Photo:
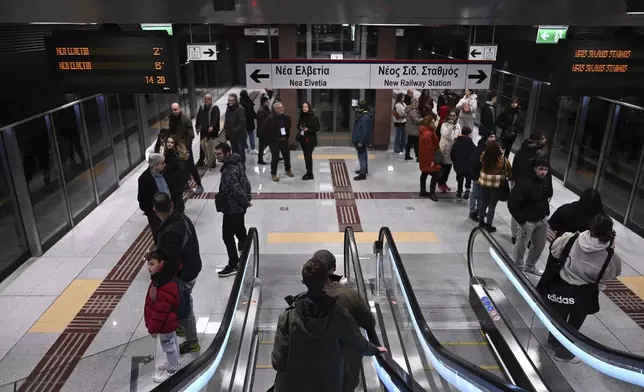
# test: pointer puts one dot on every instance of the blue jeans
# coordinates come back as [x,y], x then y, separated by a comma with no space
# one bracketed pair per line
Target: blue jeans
[400,139]
[475,198]
[487,206]
[363,158]
[251,139]
[239,148]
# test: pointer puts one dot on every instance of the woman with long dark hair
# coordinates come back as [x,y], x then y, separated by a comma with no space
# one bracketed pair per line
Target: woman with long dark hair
[426,103]
[308,126]
[495,169]
[176,154]
[400,118]
[428,162]
[511,122]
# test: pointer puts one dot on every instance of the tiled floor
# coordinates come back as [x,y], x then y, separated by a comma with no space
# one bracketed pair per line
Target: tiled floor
[86,270]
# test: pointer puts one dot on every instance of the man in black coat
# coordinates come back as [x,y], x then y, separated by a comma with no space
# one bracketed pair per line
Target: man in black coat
[155,180]
[529,204]
[207,123]
[278,129]
[235,126]
[488,116]
[461,155]
[311,336]
[262,115]
[178,245]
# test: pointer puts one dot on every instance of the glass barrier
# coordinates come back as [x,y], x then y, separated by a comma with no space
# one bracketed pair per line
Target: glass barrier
[210,367]
[100,145]
[606,361]
[435,366]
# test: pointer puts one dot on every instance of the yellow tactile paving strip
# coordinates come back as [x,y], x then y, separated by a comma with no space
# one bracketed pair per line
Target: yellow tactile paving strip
[320,157]
[634,283]
[66,306]
[338,238]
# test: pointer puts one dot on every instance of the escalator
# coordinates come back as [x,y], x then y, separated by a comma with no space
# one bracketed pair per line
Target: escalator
[500,354]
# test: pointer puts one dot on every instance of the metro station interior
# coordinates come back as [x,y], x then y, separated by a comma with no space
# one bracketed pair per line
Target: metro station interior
[89,90]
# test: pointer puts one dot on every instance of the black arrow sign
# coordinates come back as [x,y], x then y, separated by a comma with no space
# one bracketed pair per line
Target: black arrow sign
[475,53]
[256,76]
[209,52]
[481,76]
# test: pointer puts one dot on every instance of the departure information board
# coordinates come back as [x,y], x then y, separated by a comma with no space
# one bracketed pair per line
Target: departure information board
[101,62]
[599,68]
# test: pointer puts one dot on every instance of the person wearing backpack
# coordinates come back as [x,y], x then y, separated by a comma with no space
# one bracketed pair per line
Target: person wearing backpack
[399,116]
[579,266]
[178,246]
[160,316]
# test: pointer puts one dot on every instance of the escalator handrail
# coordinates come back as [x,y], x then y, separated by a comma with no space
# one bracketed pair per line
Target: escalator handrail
[189,372]
[386,363]
[480,377]
[626,361]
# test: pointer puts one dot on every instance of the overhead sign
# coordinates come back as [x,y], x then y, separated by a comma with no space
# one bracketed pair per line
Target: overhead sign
[97,62]
[551,34]
[350,74]
[260,31]
[482,52]
[608,68]
[202,52]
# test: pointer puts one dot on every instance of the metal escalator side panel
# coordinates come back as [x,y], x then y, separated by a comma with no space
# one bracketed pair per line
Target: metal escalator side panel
[620,365]
[245,358]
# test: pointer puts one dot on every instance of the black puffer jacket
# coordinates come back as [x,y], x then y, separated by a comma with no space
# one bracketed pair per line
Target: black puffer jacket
[309,340]
[249,109]
[475,160]
[184,261]
[262,115]
[310,121]
[234,185]
[524,158]
[235,123]
[461,154]
[529,199]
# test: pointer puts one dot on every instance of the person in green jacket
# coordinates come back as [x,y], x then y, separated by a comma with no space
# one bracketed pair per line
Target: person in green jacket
[310,336]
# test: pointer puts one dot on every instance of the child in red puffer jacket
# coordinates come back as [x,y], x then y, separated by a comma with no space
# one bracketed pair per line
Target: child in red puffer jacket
[161,317]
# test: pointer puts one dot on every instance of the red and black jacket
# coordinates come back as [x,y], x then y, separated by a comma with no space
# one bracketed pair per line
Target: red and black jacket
[160,308]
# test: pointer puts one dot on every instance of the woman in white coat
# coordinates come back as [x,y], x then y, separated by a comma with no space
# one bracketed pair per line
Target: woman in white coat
[467,109]
[450,130]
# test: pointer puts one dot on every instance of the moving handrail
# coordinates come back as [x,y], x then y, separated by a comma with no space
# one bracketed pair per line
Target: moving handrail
[460,373]
[389,372]
[621,365]
[195,375]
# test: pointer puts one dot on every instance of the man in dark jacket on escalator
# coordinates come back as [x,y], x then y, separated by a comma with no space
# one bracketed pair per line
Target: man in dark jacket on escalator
[178,245]
[310,336]
[350,300]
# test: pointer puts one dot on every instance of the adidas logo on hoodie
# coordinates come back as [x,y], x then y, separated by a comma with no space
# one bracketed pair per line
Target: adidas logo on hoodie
[561,300]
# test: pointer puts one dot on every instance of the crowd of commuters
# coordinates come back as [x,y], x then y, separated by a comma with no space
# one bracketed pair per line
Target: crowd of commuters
[325,319]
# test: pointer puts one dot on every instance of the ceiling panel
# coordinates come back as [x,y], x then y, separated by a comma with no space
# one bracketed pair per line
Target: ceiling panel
[425,12]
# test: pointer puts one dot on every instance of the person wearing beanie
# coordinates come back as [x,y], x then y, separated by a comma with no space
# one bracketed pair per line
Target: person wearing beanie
[529,205]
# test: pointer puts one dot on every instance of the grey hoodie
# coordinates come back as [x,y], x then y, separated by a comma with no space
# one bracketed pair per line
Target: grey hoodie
[587,256]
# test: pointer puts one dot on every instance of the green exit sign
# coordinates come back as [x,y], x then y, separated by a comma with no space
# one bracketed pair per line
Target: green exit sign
[551,34]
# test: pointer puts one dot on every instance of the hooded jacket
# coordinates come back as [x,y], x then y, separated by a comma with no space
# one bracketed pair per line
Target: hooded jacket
[234,185]
[160,307]
[249,109]
[529,199]
[178,259]
[363,129]
[235,123]
[488,120]
[309,341]
[262,115]
[413,119]
[449,133]
[472,101]
[511,122]
[574,217]
[427,146]
[522,163]
[461,154]
[586,259]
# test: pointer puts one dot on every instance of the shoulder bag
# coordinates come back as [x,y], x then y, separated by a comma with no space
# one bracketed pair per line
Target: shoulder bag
[566,297]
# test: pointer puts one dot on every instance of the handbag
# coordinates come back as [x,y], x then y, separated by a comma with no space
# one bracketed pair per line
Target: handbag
[504,190]
[221,202]
[566,297]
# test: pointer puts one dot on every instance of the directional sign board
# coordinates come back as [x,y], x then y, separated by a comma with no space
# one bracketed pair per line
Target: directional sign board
[202,52]
[349,74]
[551,34]
[482,52]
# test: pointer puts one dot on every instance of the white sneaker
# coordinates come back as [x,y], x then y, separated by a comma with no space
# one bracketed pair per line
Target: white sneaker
[164,375]
[165,366]
[401,153]
[254,152]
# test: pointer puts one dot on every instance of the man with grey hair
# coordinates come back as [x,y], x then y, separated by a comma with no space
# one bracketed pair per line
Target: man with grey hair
[278,130]
[235,126]
[154,180]
[350,300]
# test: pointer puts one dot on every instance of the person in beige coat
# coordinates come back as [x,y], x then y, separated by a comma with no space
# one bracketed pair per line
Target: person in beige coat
[450,130]
[412,123]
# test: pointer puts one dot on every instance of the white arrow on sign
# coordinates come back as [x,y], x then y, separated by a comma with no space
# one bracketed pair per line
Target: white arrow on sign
[545,35]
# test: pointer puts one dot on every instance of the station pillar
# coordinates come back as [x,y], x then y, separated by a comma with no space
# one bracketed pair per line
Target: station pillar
[288,50]
[382,110]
